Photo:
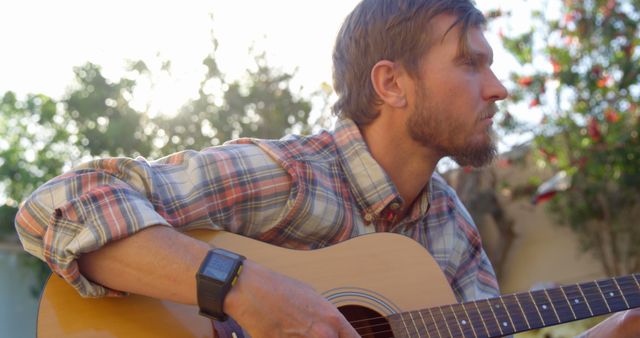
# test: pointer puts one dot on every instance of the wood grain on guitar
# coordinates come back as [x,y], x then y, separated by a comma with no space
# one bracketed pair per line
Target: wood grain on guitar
[387,285]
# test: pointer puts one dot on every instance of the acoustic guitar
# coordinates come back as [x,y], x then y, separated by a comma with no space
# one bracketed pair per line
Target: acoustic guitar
[387,285]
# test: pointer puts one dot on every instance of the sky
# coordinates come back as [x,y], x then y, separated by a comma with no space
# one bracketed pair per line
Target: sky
[43,40]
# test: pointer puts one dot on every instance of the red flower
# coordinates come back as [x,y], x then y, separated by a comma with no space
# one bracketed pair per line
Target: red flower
[569,17]
[525,81]
[534,103]
[612,116]
[556,66]
[603,81]
[594,130]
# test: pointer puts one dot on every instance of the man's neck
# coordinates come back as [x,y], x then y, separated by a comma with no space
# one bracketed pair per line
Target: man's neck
[408,164]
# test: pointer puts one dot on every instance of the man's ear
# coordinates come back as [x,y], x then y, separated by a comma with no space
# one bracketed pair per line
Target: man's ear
[388,79]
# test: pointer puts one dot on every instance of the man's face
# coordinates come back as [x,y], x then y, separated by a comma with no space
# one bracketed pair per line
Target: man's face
[455,97]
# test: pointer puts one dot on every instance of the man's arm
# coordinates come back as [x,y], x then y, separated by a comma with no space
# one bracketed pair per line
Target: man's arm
[109,223]
[160,262]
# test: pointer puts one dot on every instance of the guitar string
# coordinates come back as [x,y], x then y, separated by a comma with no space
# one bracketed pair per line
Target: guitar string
[428,331]
[587,294]
[378,333]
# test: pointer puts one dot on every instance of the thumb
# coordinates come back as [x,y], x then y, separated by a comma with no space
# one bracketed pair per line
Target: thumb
[347,331]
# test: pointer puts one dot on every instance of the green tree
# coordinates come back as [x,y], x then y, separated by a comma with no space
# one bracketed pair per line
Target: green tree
[42,137]
[37,141]
[260,105]
[580,72]
[101,109]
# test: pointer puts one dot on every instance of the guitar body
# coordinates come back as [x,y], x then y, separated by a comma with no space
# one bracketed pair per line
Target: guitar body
[367,277]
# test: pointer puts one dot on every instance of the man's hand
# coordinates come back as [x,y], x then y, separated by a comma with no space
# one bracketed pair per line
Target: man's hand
[268,304]
[620,325]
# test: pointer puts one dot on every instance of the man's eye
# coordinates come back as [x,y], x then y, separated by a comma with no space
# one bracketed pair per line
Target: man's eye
[470,62]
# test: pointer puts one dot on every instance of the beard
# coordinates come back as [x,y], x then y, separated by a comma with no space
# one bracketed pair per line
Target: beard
[431,126]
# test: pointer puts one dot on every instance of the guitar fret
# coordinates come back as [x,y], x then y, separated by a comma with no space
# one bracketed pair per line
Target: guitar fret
[534,318]
[594,297]
[579,305]
[555,311]
[544,308]
[481,318]
[630,290]
[445,321]
[502,315]
[537,309]
[603,297]
[517,314]
[493,329]
[525,311]
[611,295]
[404,324]
[464,308]
[440,322]
[426,327]
[462,322]
[561,305]
[621,294]
[585,298]
[504,306]
[452,320]
[456,321]
[435,323]
[414,324]
[568,302]
[526,319]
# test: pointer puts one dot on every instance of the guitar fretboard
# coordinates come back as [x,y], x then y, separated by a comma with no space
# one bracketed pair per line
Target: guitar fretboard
[496,317]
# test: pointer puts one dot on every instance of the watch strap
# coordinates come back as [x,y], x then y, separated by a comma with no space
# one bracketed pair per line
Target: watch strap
[211,292]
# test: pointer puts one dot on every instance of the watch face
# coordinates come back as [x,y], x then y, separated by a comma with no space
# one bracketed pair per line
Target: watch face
[219,267]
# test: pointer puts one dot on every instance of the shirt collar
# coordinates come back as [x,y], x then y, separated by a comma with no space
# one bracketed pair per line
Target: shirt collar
[371,186]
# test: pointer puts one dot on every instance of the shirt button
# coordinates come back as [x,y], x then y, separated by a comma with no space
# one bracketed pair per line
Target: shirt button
[368,217]
[395,206]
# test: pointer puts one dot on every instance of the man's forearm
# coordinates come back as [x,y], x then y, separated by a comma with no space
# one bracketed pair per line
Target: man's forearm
[158,262]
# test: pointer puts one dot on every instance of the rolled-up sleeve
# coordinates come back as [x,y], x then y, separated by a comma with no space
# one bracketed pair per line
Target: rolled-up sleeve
[237,188]
[85,209]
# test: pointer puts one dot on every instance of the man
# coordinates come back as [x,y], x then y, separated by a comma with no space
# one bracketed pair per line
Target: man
[414,84]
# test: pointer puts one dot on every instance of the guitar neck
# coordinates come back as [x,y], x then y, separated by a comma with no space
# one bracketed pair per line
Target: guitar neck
[496,317]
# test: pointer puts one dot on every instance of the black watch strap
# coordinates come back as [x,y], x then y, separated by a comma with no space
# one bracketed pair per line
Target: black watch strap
[217,274]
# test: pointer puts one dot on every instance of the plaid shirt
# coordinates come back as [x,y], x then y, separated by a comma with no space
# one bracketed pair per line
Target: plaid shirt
[297,192]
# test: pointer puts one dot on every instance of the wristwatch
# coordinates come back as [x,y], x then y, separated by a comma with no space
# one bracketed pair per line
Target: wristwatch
[218,272]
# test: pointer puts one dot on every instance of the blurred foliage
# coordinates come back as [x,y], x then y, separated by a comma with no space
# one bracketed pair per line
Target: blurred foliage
[36,143]
[104,119]
[42,137]
[262,105]
[581,71]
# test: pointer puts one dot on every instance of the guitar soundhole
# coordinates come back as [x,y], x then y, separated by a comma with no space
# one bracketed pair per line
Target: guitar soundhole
[367,322]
